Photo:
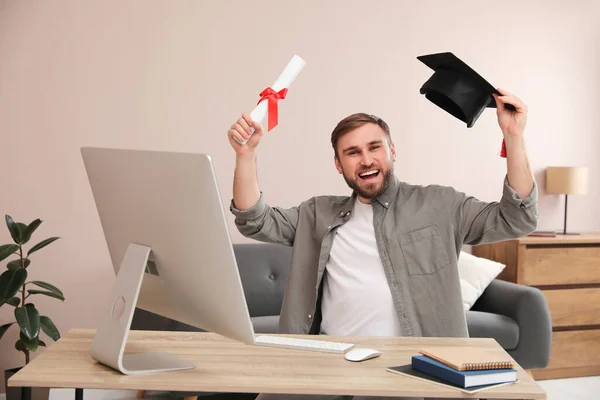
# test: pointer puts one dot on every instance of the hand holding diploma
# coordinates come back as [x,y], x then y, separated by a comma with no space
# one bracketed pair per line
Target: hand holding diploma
[269,101]
[247,131]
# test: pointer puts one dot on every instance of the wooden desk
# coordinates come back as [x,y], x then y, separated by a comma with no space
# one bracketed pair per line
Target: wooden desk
[567,270]
[224,365]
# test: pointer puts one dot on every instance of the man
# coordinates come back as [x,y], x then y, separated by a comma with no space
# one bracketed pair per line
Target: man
[382,261]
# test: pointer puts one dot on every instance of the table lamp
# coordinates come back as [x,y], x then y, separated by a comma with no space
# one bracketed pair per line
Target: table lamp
[566,180]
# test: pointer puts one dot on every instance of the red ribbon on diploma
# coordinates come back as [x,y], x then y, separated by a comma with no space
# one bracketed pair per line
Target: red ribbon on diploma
[503,151]
[272,97]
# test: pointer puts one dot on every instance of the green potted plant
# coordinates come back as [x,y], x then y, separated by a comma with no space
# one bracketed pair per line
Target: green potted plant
[16,291]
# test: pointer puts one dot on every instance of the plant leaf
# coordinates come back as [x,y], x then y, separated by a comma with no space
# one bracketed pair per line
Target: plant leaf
[11,281]
[46,293]
[31,344]
[4,328]
[47,286]
[21,228]
[41,245]
[7,249]
[49,328]
[29,320]
[14,229]
[14,264]
[29,229]
[14,301]
[41,343]
[20,346]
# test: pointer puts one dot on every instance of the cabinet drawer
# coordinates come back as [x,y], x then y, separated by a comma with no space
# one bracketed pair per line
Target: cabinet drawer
[574,307]
[571,349]
[574,353]
[560,265]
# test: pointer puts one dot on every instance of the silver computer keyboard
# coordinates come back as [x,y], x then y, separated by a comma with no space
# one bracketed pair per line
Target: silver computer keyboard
[303,344]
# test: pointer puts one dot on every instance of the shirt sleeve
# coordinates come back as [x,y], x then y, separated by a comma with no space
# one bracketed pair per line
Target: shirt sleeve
[478,222]
[265,223]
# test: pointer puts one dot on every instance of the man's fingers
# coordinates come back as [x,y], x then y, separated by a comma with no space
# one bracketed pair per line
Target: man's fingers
[511,99]
[499,104]
[503,92]
[508,98]
[234,134]
[257,127]
[242,122]
[515,101]
[239,129]
[247,118]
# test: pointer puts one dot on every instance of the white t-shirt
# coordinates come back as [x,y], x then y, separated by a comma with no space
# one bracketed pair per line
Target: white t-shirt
[356,296]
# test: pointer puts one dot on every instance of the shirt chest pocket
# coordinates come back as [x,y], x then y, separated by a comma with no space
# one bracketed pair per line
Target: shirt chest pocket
[424,251]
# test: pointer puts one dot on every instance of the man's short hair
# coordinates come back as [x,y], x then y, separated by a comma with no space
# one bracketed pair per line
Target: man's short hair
[354,121]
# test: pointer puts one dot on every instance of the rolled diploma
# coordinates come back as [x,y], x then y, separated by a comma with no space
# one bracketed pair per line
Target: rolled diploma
[286,78]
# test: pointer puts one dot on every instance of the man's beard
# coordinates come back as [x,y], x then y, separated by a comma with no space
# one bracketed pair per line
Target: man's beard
[370,194]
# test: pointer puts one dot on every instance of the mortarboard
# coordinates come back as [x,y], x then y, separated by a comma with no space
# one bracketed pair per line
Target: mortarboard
[457,88]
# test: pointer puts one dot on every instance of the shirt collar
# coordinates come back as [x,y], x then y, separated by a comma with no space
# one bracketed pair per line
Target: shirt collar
[385,199]
[389,195]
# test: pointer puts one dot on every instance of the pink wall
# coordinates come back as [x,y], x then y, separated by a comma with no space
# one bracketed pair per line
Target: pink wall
[175,75]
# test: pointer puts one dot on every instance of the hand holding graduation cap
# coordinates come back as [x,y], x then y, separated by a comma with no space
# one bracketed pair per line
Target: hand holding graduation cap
[458,89]
[512,123]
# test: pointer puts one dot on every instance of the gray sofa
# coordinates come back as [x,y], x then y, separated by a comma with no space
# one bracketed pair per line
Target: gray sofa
[516,316]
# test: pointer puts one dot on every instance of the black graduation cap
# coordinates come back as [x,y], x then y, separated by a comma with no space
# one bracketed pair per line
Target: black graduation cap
[457,88]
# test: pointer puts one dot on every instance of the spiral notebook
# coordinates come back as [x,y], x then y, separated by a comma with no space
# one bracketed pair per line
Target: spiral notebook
[469,358]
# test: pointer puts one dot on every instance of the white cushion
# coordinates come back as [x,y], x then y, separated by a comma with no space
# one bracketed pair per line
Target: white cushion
[475,274]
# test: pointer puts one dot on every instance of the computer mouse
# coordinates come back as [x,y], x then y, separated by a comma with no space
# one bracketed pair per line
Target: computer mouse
[361,354]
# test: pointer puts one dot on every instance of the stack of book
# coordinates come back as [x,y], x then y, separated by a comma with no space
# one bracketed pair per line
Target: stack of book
[466,369]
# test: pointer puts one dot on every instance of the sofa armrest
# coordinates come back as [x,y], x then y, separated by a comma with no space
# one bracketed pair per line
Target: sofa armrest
[528,307]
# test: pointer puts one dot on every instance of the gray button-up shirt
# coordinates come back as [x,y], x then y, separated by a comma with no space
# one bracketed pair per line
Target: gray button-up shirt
[419,232]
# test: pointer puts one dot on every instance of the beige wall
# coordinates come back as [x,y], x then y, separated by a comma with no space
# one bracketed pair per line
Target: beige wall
[175,75]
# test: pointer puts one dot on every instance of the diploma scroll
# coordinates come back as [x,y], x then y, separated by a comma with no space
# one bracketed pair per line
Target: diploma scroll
[282,83]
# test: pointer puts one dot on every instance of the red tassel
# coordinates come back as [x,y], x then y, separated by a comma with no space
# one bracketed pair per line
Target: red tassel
[503,151]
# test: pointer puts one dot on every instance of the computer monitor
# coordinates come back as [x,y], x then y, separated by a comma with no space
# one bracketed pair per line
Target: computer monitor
[166,232]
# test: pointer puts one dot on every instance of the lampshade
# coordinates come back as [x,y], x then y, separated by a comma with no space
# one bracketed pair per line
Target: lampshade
[566,180]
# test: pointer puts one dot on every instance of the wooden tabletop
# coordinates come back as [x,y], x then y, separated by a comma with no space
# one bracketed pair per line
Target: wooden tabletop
[582,238]
[224,365]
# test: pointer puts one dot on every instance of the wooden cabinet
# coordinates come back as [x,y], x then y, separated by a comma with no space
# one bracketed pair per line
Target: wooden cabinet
[567,270]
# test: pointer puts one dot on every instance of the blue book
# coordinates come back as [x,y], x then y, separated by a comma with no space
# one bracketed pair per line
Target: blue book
[464,379]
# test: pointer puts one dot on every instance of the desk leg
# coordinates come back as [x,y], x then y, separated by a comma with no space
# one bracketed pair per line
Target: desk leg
[78,394]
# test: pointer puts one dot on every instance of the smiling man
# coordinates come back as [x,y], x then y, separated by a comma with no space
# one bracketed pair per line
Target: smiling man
[364,154]
[383,260]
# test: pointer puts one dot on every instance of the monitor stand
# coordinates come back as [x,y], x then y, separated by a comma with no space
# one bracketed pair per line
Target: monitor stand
[109,342]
